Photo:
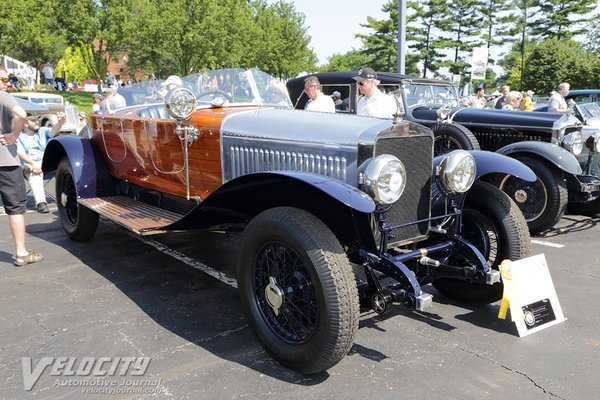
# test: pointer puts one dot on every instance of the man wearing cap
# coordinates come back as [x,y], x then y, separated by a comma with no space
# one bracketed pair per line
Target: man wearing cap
[374,102]
[317,101]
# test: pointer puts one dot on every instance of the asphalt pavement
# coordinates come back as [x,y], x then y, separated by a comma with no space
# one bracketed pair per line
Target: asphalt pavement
[171,301]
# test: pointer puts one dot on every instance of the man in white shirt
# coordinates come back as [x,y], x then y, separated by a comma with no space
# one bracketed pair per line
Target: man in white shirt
[557,102]
[317,101]
[374,102]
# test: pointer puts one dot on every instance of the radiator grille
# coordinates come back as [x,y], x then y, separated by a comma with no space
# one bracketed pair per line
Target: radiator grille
[72,114]
[246,160]
[495,140]
[415,152]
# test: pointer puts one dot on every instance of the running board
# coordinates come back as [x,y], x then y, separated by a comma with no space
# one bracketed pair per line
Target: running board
[134,215]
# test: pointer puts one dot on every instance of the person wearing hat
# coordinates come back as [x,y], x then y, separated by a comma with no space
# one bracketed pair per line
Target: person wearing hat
[113,100]
[527,102]
[374,102]
[97,99]
[317,100]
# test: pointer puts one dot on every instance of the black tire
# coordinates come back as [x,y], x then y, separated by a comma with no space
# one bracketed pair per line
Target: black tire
[317,320]
[493,223]
[543,202]
[450,136]
[78,221]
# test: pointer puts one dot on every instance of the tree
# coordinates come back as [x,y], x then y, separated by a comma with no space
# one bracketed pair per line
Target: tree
[562,19]
[96,29]
[592,43]
[462,26]
[500,22]
[73,66]
[32,35]
[555,61]
[427,19]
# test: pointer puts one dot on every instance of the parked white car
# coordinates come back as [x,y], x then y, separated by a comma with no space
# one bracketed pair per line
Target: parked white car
[55,104]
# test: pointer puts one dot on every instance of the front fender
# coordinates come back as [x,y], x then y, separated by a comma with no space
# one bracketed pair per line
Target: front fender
[552,153]
[89,171]
[493,163]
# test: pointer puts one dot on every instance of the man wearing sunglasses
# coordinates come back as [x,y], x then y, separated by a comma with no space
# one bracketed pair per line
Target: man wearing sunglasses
[374,102]
[12,184]
[317,101]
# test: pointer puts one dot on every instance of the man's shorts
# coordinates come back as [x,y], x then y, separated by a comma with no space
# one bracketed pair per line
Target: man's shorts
[12,190]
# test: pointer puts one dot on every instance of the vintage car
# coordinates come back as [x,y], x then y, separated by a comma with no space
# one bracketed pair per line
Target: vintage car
[548,143]
[335,209]
[55,104]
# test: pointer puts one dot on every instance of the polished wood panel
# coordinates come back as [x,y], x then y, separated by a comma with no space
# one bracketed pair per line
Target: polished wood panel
[148,152]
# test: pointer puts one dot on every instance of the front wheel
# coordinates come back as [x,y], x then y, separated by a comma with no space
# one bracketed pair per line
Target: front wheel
[542,202]
[493,223]
[450,136]
[297,289]
[78,221]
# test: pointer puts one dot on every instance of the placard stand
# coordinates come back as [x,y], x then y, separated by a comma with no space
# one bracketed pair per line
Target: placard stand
[530,295]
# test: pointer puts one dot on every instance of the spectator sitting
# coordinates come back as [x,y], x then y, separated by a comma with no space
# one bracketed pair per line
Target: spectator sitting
[170,83]
[30,149]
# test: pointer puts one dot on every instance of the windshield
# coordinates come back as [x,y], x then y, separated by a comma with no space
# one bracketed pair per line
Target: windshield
[589,110]
[235,86]
[419,94]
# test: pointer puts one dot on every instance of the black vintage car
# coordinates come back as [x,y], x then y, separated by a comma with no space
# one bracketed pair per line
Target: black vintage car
[548,143]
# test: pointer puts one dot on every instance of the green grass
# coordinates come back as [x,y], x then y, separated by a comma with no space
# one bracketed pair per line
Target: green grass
[83,100]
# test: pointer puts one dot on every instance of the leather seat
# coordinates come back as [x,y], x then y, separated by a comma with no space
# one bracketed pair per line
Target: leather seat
[158,111]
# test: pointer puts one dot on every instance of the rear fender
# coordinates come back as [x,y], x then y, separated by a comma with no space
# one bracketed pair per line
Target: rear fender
[552,153]
[343,208]
[89,171]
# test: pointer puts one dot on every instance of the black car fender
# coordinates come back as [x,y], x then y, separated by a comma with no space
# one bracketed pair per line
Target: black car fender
[342,207]
[486,162]
[552,153]
[89,170]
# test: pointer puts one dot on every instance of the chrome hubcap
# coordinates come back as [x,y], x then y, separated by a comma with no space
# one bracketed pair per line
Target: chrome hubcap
[274,295]
[520,196]
[63,199]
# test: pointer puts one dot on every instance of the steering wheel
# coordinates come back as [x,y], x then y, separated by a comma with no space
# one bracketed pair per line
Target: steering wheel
[209,95]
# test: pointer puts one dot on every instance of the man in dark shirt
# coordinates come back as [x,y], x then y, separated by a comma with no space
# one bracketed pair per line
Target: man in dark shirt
[502,100]
[12,184]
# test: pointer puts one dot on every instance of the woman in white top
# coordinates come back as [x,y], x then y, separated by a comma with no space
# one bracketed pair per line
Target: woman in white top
[513,101]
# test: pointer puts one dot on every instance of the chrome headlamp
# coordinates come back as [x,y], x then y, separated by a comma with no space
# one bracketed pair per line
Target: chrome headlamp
[180,103]
[573,142]
[384,179]
[593,142]
[456,172]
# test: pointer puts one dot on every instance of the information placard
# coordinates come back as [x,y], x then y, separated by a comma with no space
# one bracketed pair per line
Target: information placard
[530,295]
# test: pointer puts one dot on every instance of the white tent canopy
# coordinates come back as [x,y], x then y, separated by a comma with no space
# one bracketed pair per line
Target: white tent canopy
[23,70]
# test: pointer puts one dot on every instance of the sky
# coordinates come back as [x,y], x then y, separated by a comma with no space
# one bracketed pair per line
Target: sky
[332,24]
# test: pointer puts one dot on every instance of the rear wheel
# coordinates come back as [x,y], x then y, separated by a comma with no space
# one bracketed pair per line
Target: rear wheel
[297,289]
[449,136]
[542,202]
[493,223]
[78,221]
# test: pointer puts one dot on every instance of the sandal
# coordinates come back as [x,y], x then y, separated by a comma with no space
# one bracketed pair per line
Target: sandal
[29,258]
